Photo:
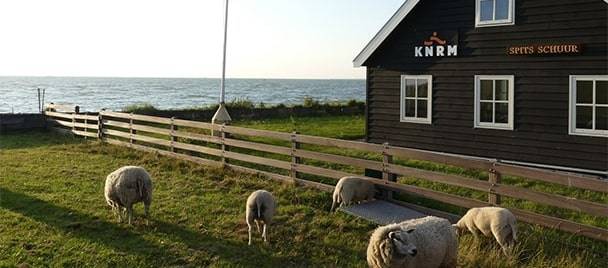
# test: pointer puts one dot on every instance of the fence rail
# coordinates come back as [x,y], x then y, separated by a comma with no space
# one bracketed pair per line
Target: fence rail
[173,137]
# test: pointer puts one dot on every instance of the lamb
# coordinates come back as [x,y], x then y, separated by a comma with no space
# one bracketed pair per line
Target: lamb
[496,221]
[261,206]
[424,242]
[350,190]
[126,186]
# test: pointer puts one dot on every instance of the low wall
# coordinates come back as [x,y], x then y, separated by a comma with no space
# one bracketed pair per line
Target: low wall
[259,113]
[19,122]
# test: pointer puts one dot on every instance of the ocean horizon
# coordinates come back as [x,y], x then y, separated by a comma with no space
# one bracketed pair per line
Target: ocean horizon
[18,94]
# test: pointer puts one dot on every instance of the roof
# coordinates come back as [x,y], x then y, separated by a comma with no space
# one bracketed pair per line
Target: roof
[386,30]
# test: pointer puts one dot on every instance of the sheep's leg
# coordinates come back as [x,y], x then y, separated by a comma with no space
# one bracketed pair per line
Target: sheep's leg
[265,234]
[502,236]
[147,213]
[257,224]
[130,214]
[249,228]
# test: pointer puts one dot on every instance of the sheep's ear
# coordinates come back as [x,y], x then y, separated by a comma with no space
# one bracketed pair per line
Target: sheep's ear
[410,231]
[391,235]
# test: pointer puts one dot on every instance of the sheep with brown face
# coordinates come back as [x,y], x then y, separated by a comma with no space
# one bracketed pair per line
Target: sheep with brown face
[261,206]
[351,190]
[127,186]
[425,242]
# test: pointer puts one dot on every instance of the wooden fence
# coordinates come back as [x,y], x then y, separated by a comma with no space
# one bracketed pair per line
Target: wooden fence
[175,138]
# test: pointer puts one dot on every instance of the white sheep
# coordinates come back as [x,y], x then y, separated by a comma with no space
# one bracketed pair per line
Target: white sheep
[350,190]
[496,221]
[260,207]
[424,242]
[126,186]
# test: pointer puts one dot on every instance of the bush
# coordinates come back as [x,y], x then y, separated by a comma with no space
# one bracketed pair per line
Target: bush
[240,103]
[140,108]
[310,102]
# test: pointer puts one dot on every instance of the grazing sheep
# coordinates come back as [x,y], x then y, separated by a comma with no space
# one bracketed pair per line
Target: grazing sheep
[496,221]
[261,206]
[350,190]
[126,186]
[424,242]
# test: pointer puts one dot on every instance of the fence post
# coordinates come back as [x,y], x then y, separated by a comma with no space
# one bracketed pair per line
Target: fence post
[494,178]
[131,128]
[100,126]
[223,144]
[295,145]
[386,175]
[172,134]
[73,124]
[85,124]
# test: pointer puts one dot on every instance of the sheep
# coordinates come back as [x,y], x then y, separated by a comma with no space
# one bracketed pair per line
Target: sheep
[261,206]
[126,186]
[496,221]
[350,190]
[424,242]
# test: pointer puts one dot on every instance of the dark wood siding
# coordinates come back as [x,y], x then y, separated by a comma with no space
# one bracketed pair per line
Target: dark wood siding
[541,82]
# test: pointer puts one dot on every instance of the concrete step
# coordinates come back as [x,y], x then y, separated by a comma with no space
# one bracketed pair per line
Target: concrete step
[382,212]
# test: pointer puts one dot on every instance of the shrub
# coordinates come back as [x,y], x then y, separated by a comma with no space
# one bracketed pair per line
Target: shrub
[140,108]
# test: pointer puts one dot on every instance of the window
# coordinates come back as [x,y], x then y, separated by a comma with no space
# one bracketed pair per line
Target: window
[416,98]
[494,98]
[589,105]
[494,12]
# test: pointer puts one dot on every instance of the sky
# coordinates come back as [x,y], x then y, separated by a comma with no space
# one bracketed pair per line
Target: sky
[183,38]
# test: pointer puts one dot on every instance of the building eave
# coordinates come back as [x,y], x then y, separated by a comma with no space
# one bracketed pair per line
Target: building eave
[386,30]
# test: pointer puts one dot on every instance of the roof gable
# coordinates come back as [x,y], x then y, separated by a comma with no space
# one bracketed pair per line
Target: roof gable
[386,30]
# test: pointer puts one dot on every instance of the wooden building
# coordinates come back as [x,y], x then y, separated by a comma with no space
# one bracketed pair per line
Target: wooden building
[524,81]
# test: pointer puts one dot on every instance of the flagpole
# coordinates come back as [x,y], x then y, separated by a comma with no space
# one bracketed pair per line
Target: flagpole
[222,116]
[223,85]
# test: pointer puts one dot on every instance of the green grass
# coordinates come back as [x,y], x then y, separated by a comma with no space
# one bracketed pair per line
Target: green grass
[339,127]
[52,211]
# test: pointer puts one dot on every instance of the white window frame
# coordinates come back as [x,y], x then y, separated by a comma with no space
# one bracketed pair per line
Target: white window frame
[429,98]
[511,102]
[572,130]
[510,20]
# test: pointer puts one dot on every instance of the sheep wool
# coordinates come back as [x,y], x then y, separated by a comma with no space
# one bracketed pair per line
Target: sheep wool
[491,221]
[260,207]
[350,190]
[127,186]
[425,242]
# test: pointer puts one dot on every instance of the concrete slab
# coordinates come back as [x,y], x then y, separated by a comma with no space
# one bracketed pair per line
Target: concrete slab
[382,212]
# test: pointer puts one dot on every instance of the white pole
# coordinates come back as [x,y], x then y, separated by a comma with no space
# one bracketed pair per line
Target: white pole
[221,115]
[223,82]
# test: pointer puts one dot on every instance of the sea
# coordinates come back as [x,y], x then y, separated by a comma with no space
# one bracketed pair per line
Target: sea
[20,94]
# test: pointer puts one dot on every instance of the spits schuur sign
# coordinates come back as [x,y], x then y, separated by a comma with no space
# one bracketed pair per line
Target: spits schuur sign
[436,47]
[553,49]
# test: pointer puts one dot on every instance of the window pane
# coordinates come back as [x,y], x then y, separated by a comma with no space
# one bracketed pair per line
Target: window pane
[486,10]
[422,88]
[502,113]
[410,88]
[485,114]
[584,117]
[601,118]
[422,109]
[502,89]
[584,91]
[410,108]
[601,92]
[486,90]
[502,9]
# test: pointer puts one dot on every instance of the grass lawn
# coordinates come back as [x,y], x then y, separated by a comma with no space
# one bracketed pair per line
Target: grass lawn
[53,213]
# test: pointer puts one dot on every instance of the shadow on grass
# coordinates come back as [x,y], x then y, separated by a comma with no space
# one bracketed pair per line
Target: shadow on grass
[35,139]
[129,241]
